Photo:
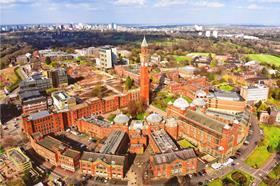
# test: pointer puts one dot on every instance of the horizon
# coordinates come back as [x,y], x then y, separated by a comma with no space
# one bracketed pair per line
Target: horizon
[154,12]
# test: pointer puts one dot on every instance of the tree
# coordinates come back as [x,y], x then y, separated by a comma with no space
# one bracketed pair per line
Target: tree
[48,60]
[128,83]
[135,107]
[213,63]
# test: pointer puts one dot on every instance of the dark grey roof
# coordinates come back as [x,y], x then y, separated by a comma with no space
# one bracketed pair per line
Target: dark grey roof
[169,157]
[29,94]
[112,142]
[94,120]
[227,96]
[107,158]
[205,120]
[39,115]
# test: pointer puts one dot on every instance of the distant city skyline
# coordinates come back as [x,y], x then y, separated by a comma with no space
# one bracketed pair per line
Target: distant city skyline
[152,12]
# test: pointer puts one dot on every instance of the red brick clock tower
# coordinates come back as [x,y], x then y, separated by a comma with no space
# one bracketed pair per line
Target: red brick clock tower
[144,73]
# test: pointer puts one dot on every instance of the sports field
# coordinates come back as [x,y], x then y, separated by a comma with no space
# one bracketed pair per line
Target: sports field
[265,58]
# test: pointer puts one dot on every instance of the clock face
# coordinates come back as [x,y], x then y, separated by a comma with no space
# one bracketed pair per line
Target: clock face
[146,64]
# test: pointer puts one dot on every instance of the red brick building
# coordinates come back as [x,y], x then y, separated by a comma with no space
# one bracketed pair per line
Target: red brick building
[212,136]
[104,165]
[46,122]
[43,122]
[176,163]
[55,152]
[230,102]
[190,87]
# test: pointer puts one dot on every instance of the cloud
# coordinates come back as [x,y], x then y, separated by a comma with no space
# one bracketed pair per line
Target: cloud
[207,4]
[254,7]
[265,1]
[15,2]
[165,3]
[130,2]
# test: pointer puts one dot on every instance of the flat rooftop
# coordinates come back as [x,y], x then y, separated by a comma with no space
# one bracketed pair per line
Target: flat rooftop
[163,141]
[17,155]
[52,144]
[71,153]
[60,95]
[38,115]
[112,142]
[94,120]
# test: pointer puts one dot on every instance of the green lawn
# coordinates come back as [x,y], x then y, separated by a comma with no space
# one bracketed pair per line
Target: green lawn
[184,143]
[229,178]
[162,99]
[226,87]
[1,150]
[265,58]
[182,58]
[260,155]
[217,182]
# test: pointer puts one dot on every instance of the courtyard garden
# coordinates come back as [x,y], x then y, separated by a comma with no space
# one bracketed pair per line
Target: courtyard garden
[234,178]
[185,143]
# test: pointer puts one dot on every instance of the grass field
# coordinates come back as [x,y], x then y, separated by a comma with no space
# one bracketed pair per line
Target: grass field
[184,143]
[261,154]
[219,181]
[265,58]
[182,58]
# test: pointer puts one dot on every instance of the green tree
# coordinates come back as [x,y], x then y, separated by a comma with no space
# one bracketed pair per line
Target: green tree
[128,83]
[48,60]
[213,63]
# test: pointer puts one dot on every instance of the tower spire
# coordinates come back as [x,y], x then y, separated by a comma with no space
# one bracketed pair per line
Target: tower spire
[144,42]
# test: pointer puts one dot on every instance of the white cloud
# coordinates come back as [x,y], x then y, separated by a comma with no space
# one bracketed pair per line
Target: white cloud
[165,3]
[130,2]
[208,4]
[265,1]
[254,7]
[13,2]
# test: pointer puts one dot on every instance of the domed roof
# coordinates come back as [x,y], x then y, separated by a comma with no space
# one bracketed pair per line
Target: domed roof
[200,93]
[199,102]
[181,103]
[121,118]
[154,118]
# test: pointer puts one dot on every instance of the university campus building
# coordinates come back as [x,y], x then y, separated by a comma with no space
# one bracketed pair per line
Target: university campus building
[206,123]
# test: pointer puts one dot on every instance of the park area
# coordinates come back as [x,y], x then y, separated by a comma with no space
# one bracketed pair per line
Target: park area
[264,150]
[233,178]
[265,58]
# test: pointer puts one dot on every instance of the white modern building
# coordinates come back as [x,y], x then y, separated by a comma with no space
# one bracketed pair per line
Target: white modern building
[254,93]
[108,57]
[62,101]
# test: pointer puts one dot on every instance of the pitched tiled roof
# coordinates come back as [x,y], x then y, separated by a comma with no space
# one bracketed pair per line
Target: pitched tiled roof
[169,157]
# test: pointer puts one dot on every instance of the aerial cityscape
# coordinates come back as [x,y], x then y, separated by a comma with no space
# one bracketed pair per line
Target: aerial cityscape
[140,93]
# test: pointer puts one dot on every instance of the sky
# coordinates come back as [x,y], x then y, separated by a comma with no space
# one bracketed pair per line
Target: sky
[261,12]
